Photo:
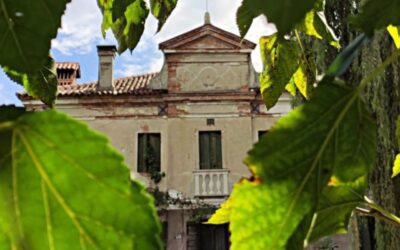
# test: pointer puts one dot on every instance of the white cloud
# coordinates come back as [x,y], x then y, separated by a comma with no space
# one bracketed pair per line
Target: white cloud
[80,32]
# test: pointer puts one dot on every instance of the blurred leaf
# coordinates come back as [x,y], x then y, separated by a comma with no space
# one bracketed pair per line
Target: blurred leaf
[291,87]
[345,58]
[41,85]
[297,239]
[335,207]
[315,24]
[60,196]
[162,9]
[301,81]
[294,175]
[222,215]
[126,18]
[26,35]
[395,34]
[284,14]
[375,15]
[280,60]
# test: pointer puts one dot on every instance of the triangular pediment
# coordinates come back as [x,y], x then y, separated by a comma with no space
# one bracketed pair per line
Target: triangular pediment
[207,37]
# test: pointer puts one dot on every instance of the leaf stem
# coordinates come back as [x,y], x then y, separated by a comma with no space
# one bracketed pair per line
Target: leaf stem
[378,215]
[304,53]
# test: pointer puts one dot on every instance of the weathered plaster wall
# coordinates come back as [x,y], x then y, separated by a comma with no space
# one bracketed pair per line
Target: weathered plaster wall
[179,136]
[208,72]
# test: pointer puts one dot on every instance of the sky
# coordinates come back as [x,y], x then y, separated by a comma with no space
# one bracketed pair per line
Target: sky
[80,33]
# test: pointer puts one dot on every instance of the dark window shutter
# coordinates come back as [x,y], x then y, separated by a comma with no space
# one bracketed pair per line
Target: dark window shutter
[149,152]
[210,150]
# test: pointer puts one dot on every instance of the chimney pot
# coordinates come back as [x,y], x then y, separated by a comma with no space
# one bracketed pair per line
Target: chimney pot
[106,55]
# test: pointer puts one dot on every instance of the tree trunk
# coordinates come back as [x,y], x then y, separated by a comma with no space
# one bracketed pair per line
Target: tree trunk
[383,96]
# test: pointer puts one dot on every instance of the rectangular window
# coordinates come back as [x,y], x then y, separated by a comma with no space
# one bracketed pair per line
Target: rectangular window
[210,150]
[149,152]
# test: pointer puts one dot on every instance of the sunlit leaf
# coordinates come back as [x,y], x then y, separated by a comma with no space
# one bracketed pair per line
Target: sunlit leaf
[322,142]
[285,14]
[41,85]
[375,15]
[280,63]
[222,215]
[395,34]
[315,24]
[291,87]
[26,31]
[162,9]
[64,187]
[301,81]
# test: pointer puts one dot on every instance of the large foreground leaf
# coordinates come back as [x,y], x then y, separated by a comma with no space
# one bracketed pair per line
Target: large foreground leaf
[285,14]
[26,31]
[295,160]
[63,187]
[335,207]
[41,85]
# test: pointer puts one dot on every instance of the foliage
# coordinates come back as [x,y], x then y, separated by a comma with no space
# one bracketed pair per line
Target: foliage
[42,84]
[310,165]
[161,9]
[395,33]
[377,15]
[285,14]
[25,43]
[55,197]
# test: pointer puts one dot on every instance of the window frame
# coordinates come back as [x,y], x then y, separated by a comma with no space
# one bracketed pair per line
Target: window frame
[215,159]
[140,168]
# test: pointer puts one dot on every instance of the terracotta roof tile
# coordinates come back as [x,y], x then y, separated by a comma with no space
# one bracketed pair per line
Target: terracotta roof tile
[68,65]
[137,85]
[134,85]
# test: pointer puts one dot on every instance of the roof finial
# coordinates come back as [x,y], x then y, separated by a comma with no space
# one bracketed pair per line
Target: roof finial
[207,18]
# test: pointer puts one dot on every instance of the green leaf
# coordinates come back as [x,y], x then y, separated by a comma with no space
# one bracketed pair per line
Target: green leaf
[295,160]
[302,82]
[280,60]
[315,24]
[126,18]
[377,15]
[41,85]
[395,34]
[335,207]
[297,239]
[162,9]
[222,215]
[60,194]
[26,32]
[285,14]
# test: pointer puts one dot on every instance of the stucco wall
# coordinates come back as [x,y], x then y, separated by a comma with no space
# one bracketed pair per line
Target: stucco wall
[179,136]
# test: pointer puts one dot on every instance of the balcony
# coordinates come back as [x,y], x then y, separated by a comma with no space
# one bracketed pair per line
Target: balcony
[211,183]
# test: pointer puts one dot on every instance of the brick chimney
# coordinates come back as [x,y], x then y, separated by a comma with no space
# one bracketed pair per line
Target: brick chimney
[106,55]
[67,73]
